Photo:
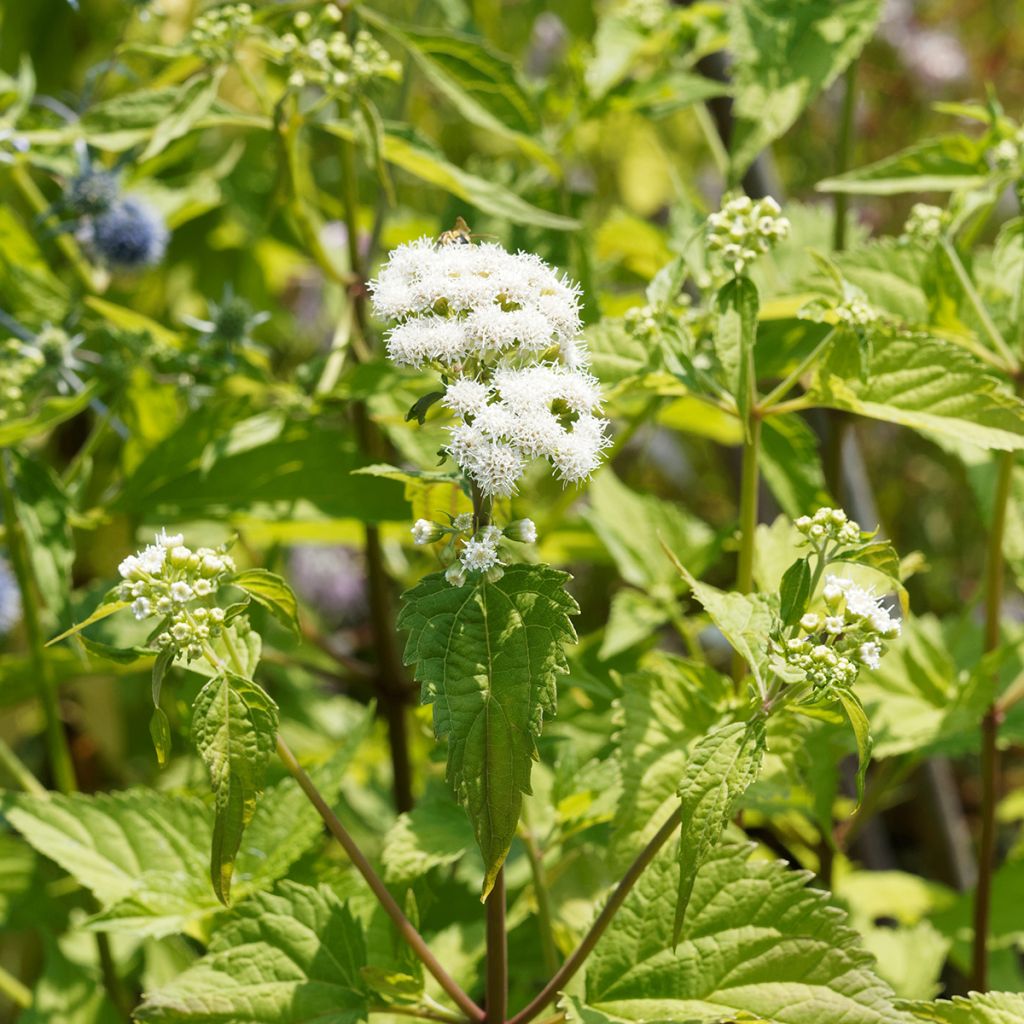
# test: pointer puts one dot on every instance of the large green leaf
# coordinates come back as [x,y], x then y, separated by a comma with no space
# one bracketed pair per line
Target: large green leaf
[721,767]
[786,52]
[978,1008]
[234,724]
[144,854]
[755,942]
[434,833]
[745,620]
[665,708]
[481,84]
[944,164]
[293,956]
[488,656]
[271,591]
[925,384]
[633,526]
[413,156]
[70,992]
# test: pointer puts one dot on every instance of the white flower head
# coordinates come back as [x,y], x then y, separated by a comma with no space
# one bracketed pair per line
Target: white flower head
[426,532]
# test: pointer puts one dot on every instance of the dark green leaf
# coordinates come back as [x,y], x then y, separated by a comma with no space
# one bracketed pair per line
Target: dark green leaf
[234,726]
[795,591]
[271,591]
[488,656]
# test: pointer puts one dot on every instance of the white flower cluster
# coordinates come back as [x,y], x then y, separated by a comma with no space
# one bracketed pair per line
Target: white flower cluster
[925,223]
[10,599]
[829,524]
[539,411]
[832,648]
[468,552]
[503,328]
[745,229]
[333,62]
[171,581]
[461,303]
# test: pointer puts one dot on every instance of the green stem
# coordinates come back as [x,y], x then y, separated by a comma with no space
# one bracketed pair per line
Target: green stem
[978,306]
[990,725]
[579,956]
[386,900]
[11,987]
[67,245]
[496,1002]
[58,750]
[784,387]
[845,153]
[545,921]
[750,482]
[82,456]
[19,771]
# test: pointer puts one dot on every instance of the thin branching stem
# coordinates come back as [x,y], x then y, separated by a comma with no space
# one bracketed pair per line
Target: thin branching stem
[579,956]
[990,725]
[405,927]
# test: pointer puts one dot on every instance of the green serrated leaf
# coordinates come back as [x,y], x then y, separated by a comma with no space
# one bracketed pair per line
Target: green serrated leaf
[487,656]
[927,385]
[665,709]
[293,956]
[756,943]
[234,726]
[745,620]
[785,54]
[434,833]
[978,1008]
[271,591]
[721,767]
[634,526]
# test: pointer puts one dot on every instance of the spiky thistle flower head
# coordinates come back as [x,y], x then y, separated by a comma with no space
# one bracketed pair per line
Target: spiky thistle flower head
[130,235]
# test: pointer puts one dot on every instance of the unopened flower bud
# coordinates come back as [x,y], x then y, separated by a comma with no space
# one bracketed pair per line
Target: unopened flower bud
[522,530]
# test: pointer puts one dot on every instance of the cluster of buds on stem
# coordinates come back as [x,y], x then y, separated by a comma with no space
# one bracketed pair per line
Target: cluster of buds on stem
[831,647]
[830,525]
[925,224]
[216,33]
[171,582]
[468,553]
[316,53]
[745,229]
[1007,156]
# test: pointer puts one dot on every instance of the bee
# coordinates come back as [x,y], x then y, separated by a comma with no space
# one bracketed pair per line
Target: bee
[460,234]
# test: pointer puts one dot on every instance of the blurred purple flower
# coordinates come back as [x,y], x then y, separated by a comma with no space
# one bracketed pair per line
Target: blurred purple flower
[332,580]
[10,599]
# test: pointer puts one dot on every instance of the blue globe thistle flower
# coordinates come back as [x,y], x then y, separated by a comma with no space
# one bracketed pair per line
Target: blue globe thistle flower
[10,599]
[130,234]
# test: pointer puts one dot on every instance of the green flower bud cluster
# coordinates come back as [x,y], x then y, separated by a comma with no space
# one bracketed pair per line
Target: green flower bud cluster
[170,581]
[216,33]
[472,553]
[745,229]
[925,224]
[829,525]
[20,365]
[830,648]
[332,62]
